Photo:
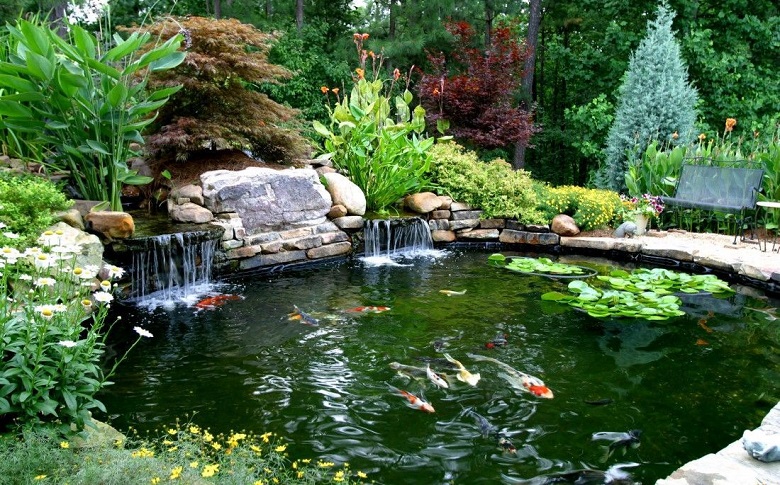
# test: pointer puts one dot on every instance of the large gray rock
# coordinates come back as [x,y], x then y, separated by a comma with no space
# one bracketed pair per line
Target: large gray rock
[91,248]
[267,199]
[343,191]
[192,192]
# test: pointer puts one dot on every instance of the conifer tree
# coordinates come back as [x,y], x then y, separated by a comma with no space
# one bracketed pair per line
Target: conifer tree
[656,102]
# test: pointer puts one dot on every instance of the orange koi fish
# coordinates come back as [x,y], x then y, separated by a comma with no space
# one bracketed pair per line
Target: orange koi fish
[519,380]
[368,309]
[213,302]
[414,401]
[304,317]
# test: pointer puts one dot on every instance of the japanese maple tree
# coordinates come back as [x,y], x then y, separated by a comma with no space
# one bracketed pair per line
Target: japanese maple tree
[474,89]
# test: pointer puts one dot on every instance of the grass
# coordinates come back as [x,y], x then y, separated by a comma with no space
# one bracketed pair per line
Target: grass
[184,453]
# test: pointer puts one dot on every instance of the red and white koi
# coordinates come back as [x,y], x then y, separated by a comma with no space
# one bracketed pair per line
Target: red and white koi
[519,380]
[414,401]
[463,375]
[436,378]
[368,309]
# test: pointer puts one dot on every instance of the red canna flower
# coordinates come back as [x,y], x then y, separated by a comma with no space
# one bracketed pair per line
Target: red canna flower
[324,89]
[361,73]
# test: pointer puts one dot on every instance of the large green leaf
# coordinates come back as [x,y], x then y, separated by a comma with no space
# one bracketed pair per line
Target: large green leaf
[14,109]
[168,62]
[39,66]
[125,47]
[17,84]
[118,95]
[98,146]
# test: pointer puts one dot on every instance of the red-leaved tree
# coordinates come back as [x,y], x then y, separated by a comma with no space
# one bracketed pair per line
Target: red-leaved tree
[475,89]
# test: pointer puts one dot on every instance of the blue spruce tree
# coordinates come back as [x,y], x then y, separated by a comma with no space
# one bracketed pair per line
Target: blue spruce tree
[656,102]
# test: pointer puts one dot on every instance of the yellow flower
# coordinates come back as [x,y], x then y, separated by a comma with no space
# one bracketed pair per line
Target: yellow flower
[40,477]
[216,446]
[265,437]
[259,482]
[207,437]
[325,464]
[255,448]
[176,472]
[171,431]
[167,442]
[702,137]
[361,73]
[65,445]
[193,464]
[301,473]
[209,471]
[339,476]
[306,460]
[155,480]
[362,475]
[194,430]
[275,480]
[295,465]
[280,448]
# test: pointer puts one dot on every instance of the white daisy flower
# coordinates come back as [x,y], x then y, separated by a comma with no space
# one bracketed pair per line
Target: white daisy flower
[11,235]
[105,285]
[46,311]
[103,297]
[143,332]
[114,271]
[45,281]
[67,343]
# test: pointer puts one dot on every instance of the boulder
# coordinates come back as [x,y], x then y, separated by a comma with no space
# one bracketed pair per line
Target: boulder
[190,191]
[344,192]
[423,202]
[266,199]
[91,253]
[110,224]
[337,211]
[564,225]
[189,212]
[72,217]
[349,222]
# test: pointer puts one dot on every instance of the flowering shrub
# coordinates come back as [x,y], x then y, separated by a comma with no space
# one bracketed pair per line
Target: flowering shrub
[590,208]
[52,336]
[647,205]
[382,152]
[27,207]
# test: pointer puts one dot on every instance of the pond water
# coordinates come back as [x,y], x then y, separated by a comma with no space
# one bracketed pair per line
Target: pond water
[691,384]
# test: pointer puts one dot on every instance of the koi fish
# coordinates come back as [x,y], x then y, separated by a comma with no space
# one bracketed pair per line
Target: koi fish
[463,374]
[414,401]
[771,313]
[409,370]
[619,440]
[519,380]
[213,302]
[304,317]
[506,445]
[614,475]
[452,292]
[485,427]
[499,341]
[368,309]
[436,378]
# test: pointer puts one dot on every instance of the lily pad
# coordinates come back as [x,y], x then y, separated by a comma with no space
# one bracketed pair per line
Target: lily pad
[540,267]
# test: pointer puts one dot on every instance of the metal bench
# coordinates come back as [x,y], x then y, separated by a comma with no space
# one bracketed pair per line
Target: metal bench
[728,189]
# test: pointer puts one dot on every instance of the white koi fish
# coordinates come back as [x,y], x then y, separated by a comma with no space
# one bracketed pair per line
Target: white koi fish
[517,379]
[452,292]
[463,374]
[436,378]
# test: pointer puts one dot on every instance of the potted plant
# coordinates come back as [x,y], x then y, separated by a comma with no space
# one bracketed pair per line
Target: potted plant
[640,210]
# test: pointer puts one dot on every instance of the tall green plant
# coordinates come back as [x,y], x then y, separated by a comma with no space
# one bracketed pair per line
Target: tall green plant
[656,101]
[657,171]
[77,108]
[382,150]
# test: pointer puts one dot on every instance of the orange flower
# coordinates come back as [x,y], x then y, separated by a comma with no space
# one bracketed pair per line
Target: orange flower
[730,123]
[324,89]
[675,135]
[335,90]
[364,37]
[371,54]
[361,73]
[702,137]
[435,91]
[396,74]
[356,36]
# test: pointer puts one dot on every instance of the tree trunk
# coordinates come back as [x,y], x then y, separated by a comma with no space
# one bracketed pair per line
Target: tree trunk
[57,18]
[217,9]
[489,16]
[299,14]
[532,41]
[269,9]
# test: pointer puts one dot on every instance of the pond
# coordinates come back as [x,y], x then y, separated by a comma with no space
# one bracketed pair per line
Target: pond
[691,384]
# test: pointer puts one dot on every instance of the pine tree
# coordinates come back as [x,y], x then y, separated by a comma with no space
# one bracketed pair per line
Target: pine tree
[656,102]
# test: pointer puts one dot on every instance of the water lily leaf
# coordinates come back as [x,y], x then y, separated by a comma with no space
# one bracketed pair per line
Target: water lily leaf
[555,296]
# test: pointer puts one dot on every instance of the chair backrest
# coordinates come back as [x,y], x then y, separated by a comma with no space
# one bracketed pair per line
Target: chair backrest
[729,187]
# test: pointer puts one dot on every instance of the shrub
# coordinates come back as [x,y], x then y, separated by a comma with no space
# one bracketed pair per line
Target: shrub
[27,207]
[53,335]
[383,151]
[218,106]
[493,187]
[590,208]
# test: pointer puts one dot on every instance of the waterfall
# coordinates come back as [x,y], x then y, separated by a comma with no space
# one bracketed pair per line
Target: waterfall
[171,266]
[390,237]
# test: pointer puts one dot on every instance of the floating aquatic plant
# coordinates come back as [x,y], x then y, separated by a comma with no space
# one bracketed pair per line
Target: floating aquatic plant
[664,282]
[539,266]
[618,303]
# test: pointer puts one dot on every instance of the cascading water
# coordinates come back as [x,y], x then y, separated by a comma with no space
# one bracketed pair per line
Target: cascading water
[172,266]
[386,239]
